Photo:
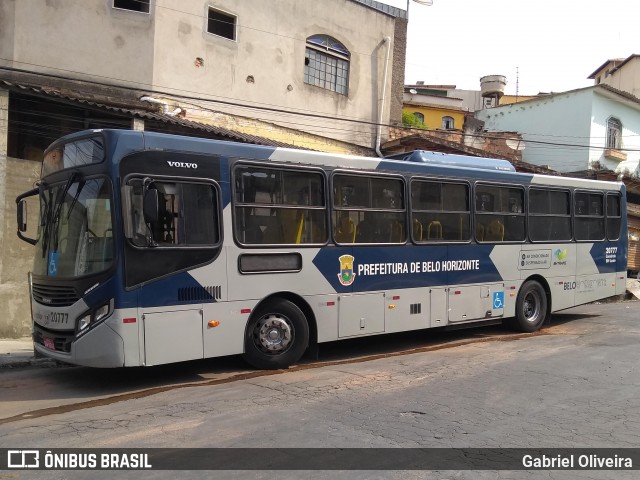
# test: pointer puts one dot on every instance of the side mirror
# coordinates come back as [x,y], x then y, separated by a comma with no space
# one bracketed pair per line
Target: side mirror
[22,216]
[151,206]
[21,204]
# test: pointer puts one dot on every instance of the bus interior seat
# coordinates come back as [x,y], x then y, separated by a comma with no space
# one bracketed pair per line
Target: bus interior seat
[417,230]
[396,232]
[437,230]
[495,231]
[345,230]
[273,233]
[366,231]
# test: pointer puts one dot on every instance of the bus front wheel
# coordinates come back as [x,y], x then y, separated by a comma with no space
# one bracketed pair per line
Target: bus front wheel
[277,335]
[531,307]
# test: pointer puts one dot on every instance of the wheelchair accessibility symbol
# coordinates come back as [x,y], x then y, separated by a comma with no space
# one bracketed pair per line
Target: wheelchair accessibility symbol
[498,300]
[53,264]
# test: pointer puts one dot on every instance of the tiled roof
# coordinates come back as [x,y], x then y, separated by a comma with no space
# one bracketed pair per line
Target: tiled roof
[74,98]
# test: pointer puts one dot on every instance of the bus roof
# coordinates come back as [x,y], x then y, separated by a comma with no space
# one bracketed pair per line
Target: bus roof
[453,160]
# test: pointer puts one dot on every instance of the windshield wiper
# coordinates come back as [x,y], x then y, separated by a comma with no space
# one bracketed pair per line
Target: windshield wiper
[45,215]
[81,185]
[58,208]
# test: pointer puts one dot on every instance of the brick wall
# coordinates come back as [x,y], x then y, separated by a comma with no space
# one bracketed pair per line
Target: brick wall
[494,143]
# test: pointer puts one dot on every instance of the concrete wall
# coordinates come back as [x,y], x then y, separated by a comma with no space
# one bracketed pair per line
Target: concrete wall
[263,66]
[85,39]
[7,30]
[16,256]
[563,118]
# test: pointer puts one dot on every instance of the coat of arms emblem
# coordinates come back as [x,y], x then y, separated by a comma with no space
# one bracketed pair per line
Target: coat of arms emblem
[346,275]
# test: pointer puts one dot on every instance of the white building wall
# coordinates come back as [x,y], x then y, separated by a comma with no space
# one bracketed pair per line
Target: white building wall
[551,127]
[603,108]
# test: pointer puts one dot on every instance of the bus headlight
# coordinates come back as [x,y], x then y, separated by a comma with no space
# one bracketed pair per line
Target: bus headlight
[84,322]
[101,312]
[95,316]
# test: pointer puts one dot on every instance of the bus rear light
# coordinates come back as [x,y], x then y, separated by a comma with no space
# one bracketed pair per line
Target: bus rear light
[245,310]
[395,297]
[129,320]
[457,292]
[213,323]
[391,306]
[512,287]
[512,294]
[330,304]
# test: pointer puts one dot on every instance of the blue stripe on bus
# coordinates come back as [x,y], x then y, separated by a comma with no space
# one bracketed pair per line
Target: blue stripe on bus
[608,256]
[164,292]
[406,266]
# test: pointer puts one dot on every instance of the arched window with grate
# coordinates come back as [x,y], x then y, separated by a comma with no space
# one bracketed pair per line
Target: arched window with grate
[614,133]
[326,64]
[419,117]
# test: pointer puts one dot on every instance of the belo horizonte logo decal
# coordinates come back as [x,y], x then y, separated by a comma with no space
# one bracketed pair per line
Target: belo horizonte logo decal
[346,275]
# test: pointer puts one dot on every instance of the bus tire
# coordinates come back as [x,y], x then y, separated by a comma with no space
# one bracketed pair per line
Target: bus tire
[277,335]
[531,307]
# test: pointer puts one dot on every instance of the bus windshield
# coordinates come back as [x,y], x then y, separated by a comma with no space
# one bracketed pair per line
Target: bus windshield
[75,235]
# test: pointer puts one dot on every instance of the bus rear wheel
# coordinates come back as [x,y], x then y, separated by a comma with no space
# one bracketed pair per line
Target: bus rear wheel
[531,307]
[277,335]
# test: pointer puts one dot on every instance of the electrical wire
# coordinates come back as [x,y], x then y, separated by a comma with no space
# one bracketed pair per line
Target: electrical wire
[312,115]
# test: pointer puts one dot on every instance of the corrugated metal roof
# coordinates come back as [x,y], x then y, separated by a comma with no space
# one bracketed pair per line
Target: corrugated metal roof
[144,114]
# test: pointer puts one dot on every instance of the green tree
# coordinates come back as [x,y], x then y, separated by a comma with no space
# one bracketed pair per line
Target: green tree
[409,120]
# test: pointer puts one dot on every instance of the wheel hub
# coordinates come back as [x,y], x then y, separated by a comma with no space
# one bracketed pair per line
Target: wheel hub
[274,334]
[531,307]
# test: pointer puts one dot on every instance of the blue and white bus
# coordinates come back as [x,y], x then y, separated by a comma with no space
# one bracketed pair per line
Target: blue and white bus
[156,248]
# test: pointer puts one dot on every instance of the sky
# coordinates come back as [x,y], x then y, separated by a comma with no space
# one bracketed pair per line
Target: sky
[540,46]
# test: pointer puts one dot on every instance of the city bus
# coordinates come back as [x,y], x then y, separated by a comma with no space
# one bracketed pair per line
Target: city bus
[155,248]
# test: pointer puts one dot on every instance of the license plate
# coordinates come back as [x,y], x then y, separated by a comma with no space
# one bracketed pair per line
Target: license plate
[49,343]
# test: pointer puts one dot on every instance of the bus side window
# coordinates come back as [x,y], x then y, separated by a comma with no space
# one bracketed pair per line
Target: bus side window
[279,206]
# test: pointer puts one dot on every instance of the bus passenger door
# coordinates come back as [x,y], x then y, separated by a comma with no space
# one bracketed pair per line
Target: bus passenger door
[172,336]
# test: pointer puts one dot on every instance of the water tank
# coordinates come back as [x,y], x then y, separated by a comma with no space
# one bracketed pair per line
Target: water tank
[493,85]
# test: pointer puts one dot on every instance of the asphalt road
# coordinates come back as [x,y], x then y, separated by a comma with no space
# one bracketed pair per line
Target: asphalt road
[574,384]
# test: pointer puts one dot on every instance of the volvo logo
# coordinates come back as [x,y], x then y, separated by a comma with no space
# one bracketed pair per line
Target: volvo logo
[46,300]
[182,164]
